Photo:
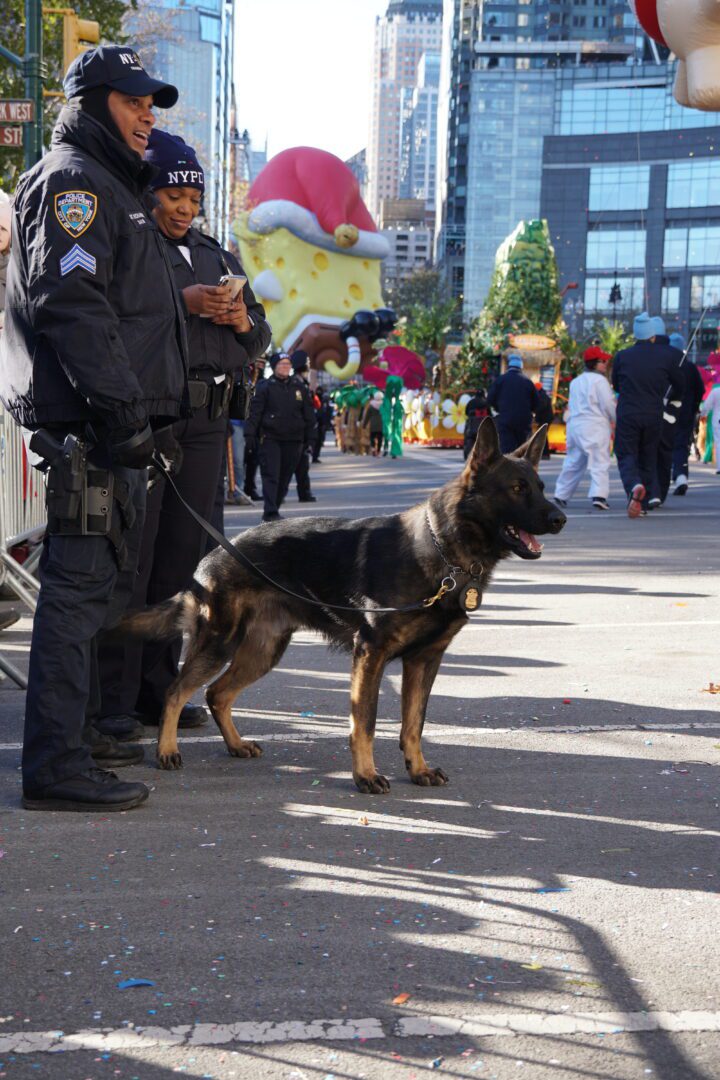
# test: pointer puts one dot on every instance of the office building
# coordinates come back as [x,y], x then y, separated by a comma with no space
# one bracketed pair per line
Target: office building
[357,164]
[410,237]
[418,134]
[501,62]
[191,44]
[631,192]
[409,29]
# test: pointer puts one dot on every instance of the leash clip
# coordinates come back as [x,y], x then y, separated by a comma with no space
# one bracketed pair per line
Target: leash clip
[447,585]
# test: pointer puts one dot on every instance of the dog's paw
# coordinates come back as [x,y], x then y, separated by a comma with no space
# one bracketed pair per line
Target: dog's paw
[372,785]
[430,778]
[246,749]
[170,761]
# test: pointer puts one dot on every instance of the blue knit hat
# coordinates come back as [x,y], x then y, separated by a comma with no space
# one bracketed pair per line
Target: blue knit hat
[515,361]
[643,327]
[658,325]
[176,161]
[677,341]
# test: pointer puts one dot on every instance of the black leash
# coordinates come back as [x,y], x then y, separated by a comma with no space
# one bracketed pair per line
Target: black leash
[447,584]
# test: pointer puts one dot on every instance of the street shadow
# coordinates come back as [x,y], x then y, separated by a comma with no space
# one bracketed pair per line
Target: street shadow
[477,899]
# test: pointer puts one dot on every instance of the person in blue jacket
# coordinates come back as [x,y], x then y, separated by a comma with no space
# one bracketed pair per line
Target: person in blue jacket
[514,399]
[642,376]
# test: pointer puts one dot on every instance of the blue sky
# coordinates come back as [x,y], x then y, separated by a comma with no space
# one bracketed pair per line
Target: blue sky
[303,72]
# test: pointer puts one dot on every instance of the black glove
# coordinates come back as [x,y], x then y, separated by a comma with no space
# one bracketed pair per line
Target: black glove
[131,447]
[170,452]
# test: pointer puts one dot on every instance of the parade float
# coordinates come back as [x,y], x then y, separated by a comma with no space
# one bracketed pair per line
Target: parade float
[522,316]
[313,255]
[691,30]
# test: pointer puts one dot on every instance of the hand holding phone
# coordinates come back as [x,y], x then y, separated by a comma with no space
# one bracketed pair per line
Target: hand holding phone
[237,283]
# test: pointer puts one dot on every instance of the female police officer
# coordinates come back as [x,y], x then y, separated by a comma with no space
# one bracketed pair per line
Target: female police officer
[224,337]
[93,350]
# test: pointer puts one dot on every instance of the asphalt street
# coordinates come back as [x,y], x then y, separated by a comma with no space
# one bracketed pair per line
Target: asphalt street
[551,913]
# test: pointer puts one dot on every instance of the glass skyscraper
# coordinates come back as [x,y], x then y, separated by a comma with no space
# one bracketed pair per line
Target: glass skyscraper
[505,66]
[191,44]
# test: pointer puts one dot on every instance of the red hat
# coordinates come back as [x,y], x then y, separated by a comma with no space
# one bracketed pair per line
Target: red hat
[595,353]
[646,13]
[316,196]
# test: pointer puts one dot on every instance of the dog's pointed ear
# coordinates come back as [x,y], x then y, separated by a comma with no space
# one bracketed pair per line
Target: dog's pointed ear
[485,452]
[533,448]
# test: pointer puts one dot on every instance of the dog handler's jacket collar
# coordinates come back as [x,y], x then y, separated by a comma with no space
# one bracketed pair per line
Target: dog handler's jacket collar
[94,328]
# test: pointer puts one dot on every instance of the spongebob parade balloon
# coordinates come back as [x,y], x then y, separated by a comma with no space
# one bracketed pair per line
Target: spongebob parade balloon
[691,29]
[313,254]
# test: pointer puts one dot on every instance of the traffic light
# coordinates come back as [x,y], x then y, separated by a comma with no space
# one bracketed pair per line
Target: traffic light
[78,36]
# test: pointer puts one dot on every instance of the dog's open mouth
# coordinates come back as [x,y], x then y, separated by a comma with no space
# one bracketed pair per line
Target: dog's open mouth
[521,543]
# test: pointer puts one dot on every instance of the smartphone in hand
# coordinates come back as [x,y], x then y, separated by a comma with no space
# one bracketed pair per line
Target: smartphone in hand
[236,282]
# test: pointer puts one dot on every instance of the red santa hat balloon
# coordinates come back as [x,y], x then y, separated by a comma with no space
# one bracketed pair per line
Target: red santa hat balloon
[691,29]
[316,197]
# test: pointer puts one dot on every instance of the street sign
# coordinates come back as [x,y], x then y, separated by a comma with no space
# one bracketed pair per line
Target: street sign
[10,136]
[17,112]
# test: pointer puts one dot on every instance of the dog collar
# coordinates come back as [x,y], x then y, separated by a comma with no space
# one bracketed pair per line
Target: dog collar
[470,596]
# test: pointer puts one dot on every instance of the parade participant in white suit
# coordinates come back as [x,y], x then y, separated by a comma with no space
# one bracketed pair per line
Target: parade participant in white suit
[590,416]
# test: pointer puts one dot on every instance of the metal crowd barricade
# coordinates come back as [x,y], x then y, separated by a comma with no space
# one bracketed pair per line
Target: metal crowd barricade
[22,519]
[22,512]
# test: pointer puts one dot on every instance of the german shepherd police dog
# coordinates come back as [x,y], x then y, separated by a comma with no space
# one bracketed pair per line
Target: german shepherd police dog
[231,616]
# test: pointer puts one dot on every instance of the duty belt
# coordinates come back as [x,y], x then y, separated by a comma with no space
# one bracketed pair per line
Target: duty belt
[204,393]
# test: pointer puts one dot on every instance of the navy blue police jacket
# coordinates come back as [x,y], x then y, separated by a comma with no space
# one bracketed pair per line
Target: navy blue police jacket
[642,375]
[94,326]
[514,398]
[282,409]
[213,348]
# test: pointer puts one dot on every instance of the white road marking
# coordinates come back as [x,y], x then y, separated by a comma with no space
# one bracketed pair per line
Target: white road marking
[435,732]
[134,1039]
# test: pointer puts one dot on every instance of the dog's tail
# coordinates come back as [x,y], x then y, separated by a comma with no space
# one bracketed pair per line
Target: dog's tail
[160,622]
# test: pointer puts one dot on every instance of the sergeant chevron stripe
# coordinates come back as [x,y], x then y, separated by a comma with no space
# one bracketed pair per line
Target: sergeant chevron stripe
[77,257]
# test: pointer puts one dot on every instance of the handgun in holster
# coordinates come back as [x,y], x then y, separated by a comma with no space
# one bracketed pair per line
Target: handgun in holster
[78,496]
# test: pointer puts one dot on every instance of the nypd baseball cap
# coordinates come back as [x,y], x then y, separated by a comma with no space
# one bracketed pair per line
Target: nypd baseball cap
[120,68]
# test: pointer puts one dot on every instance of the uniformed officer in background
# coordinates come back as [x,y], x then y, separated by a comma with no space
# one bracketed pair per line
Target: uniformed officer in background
[93,358]
[226,333]
[281,422]
[301,370]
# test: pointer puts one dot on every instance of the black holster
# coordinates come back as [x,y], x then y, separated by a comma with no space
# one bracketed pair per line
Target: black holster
[241,397]
[81,500]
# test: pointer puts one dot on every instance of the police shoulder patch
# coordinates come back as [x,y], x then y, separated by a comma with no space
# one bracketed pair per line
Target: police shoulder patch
[75,210]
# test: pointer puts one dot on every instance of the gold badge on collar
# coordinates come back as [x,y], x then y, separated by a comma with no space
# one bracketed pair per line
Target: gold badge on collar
[470,597]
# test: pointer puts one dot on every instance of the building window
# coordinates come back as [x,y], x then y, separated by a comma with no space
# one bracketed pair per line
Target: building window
[704,291]
[614,294]
[670,297]
[694,183]
[697,246]
[615,249]
[619,187]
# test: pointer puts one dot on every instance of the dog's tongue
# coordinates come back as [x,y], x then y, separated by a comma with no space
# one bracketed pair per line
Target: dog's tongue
[529,540]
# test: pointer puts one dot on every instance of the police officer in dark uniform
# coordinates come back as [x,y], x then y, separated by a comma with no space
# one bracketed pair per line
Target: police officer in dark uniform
[227,331]
[641,376]
[301,370]
[281,422]
[515,399]
[93,357]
